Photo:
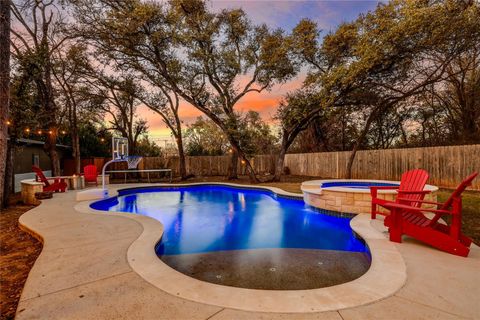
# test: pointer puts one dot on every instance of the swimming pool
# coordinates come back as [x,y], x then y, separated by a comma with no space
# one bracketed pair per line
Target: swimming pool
[210,228]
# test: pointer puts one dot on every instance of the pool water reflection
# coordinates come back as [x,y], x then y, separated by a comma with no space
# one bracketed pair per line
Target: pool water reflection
[209,218]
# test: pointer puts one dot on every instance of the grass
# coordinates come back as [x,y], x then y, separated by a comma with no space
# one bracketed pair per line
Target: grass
[470,212]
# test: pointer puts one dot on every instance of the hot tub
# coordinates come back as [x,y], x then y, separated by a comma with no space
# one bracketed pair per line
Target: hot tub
[351,196]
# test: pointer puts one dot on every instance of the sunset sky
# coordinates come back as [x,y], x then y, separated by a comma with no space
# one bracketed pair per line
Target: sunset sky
[276,14]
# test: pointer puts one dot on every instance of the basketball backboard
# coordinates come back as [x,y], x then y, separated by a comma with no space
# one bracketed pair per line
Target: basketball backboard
[119,148]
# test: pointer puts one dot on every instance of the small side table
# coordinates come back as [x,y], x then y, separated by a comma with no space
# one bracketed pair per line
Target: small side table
[74,182]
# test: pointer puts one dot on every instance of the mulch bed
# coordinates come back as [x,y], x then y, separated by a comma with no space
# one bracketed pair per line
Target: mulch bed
[18,252]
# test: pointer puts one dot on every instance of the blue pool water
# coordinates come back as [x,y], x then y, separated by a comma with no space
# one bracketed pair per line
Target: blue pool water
[208,218]
[357,184]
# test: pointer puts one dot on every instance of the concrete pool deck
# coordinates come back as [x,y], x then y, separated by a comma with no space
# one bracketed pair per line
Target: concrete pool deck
[83,273]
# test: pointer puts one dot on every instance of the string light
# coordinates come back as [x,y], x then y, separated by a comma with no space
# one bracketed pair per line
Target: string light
[27,130]
[102,139]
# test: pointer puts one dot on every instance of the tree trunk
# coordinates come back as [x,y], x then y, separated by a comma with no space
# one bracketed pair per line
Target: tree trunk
[51,149]
[279,164]
[249,168]
[287,140]
[76,151]
[8,182]
[232,168]
[181,156]
[348,174]
[52,112]
[75,138]
[4,91]
[371,117]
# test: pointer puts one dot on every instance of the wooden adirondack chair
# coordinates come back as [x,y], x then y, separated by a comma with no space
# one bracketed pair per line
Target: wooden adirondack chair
[409,192]
[58,185]
[411,221]
[90,173]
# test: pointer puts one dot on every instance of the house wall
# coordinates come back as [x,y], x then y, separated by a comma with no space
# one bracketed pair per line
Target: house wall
[24,159]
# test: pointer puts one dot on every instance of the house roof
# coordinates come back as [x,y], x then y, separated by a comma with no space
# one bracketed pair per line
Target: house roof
[31,141]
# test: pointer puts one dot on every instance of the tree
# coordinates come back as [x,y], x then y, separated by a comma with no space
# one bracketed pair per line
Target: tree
[36,35]
[120,104]
[93,144]
[378,61]
[167,104]
[197,54]
[257,137]
[222,48]
[148,148]
[333,130]
[205,138]
[4,92]
[71,69]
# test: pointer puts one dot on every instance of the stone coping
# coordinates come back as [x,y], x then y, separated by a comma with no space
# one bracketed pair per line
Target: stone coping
[32,182]
[387,273]
[315,186]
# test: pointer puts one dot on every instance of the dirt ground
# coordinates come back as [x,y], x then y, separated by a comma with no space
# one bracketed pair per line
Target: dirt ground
[18,252]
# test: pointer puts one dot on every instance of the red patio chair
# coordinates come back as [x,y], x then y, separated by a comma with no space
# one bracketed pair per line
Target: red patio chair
[90,173]
[409,192]
[58,185]
[411,221]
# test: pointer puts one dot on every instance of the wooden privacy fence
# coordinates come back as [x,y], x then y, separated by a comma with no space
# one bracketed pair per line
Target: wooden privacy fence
[447,165]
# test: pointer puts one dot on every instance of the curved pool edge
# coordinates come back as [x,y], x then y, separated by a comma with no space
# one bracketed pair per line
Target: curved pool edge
[386,275]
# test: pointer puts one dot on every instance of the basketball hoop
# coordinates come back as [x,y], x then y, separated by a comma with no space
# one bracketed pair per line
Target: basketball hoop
[133,161]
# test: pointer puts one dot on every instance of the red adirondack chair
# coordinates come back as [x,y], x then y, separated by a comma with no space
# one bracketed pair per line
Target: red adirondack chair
[58,185]
[409,192]
[90,173]
[411,221]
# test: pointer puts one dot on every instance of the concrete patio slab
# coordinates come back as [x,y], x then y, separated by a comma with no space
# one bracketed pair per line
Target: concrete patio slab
[88,263]
[396,308]
[124,296]
[83,272]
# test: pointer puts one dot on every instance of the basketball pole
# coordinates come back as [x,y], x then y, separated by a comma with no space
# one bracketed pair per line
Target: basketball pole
[119,154]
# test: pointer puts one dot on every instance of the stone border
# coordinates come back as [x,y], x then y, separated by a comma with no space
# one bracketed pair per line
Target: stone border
[386,275]
[28,189]
[353,200]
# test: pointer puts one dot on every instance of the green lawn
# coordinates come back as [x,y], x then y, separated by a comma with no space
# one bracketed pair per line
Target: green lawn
[471,212]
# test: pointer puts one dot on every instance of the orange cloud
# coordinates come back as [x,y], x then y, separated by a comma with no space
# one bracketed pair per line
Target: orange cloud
[265,103]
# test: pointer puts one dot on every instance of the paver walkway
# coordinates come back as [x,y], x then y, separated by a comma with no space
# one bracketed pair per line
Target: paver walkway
[83,273]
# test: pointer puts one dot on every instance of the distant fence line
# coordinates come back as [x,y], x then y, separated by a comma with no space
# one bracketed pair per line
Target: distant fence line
[447,165]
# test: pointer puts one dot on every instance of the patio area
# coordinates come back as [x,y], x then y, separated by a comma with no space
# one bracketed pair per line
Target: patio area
[84,272]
